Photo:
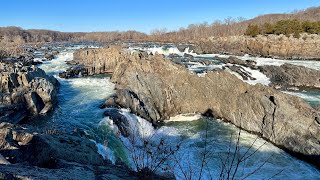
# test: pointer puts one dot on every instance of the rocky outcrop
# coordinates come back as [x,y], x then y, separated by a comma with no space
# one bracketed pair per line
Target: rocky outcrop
[25,90]
[99,61]
[241,71]
[277,46]
[157,89]
[119,119]
[45,149]
[237,61]
[189,47]
[288,75]
[27,154]
[88,62]
[74,71]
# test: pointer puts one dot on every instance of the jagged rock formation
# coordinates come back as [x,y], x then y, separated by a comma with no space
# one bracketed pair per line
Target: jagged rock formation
[306,47]
[288,75]
[156,89]
[25,90]
[27,154]
[99,61]
[190,47]
[94,61]
[45,150]
[237,61]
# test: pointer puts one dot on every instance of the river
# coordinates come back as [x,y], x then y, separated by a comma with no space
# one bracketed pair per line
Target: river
[78,109]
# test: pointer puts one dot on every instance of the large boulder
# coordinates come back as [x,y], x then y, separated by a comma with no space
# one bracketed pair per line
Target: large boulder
[288,75]
[25,90]
[19,145]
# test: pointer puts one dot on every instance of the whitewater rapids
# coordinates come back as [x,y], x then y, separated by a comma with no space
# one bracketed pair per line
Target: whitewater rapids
[78,107]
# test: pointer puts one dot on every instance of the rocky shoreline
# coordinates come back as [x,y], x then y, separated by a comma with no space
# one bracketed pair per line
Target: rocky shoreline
[156,89]
[27,152]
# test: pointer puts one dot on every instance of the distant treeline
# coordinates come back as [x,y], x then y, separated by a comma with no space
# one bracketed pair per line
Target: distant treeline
[286,27]
[231,26]
[294,23]
[18,35]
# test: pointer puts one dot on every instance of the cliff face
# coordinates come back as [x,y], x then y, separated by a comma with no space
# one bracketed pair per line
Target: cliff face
[25,90]
[99,61]
[306,47]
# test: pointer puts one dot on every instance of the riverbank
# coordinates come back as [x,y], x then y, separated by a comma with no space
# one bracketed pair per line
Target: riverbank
[271,46]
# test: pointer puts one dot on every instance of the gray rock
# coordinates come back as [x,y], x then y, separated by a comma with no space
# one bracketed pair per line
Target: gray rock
[288,75]
[25,90]
[19,145]
[120,120]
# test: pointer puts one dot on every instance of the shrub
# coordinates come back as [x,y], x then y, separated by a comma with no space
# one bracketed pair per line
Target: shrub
[286,27]
[253,30]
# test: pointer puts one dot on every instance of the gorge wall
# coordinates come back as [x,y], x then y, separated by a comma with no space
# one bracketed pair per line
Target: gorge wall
[277,46]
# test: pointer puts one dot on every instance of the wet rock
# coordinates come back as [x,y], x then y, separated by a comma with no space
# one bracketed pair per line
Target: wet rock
[3,160]
[119,119]
[190,48]
[237,61]
[242,72]
[157,89]
[188,56]
[19,145]
[49,56]
[72,62]
[74,71]
[288,75]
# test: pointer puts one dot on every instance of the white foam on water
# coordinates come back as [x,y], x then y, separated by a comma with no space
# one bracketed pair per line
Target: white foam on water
[190,136]
[184,117]
[90,87]
[260,77]
[105,152]
[278,62]
[79,98]
[163,50]
[57,65]
[305,96]
[38,60]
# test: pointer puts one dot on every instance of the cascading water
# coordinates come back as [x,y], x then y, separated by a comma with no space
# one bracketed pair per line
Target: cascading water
[78,108]
[78,104]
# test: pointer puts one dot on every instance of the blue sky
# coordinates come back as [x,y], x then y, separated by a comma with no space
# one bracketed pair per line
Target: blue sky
[141,15]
